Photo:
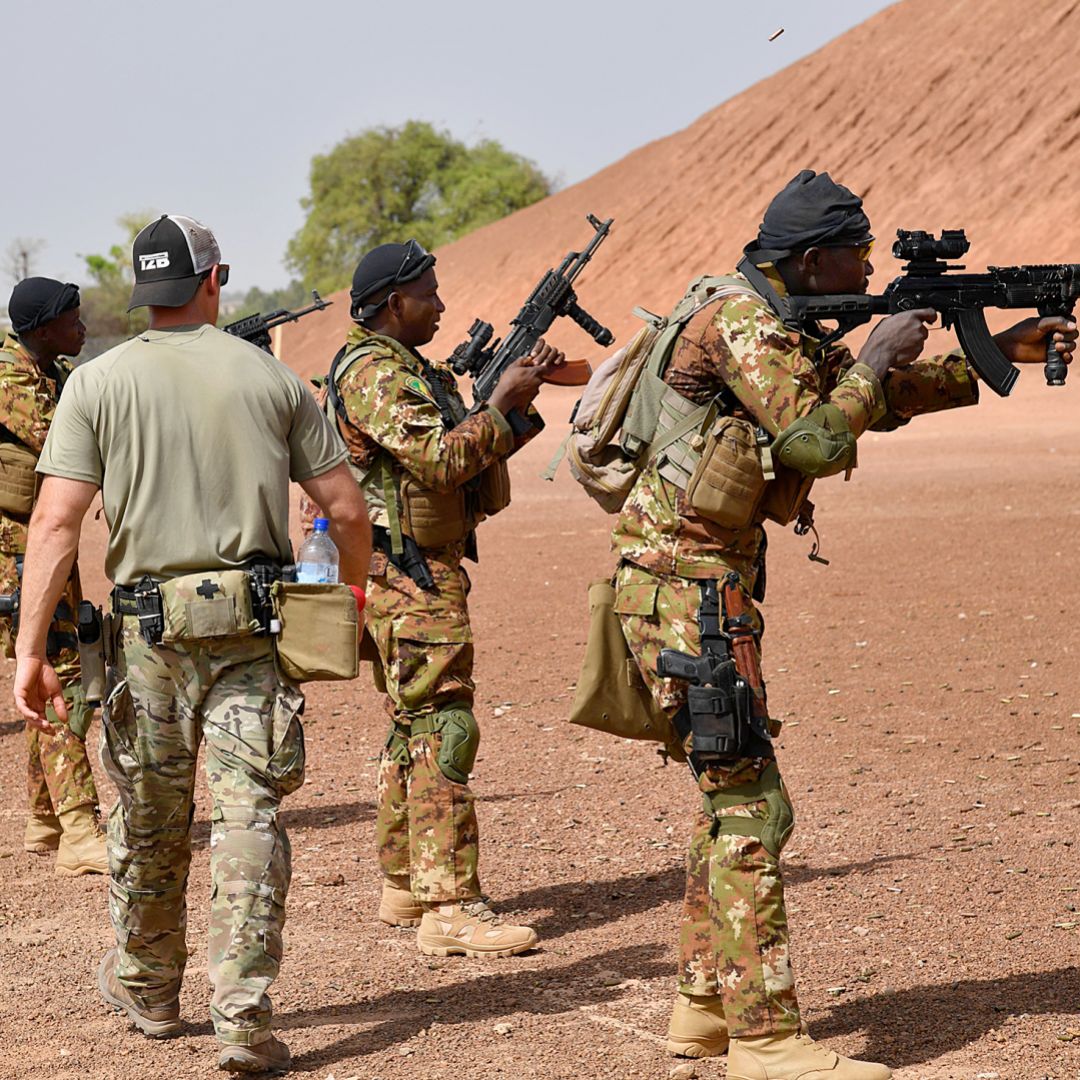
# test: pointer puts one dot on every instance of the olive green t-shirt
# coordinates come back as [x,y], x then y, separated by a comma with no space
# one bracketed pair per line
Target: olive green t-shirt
[193,436]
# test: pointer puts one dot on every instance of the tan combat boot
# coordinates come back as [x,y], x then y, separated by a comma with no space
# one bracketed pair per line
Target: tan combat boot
[42,834]
[270,1055]
[470,928]
[795,1057]
[156,1021]
[698,1028]
[398,906]
[82,845]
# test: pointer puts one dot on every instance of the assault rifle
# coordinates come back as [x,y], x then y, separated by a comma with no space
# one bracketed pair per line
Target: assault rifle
[256,328]
[930,280]
[553,297]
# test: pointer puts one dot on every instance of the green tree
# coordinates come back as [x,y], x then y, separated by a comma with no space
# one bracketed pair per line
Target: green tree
[389,184]
[104,301]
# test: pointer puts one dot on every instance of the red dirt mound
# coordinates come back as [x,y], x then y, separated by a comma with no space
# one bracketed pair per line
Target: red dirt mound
[941,115]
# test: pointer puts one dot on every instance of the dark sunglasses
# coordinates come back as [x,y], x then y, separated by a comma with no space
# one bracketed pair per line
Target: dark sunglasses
[223,275]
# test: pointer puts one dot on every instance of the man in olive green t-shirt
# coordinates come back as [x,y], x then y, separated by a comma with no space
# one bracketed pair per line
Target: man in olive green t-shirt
[192,436]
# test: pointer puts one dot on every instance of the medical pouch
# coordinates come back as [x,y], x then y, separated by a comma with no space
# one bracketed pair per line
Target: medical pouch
[319,635]
[198,607]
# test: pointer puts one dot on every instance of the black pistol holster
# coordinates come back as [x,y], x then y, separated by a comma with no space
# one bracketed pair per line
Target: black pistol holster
[719,714]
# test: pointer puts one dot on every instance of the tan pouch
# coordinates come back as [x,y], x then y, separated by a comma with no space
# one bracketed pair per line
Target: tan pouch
[319,639]
[611,695]
[727,484]
[18,481]
[198,607]
[784,496]
[431,518]
[494,492]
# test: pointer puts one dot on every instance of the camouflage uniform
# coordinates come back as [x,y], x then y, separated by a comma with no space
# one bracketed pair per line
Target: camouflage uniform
[162,702]
[191,492]
[58,770]
[426,827]
[734,936]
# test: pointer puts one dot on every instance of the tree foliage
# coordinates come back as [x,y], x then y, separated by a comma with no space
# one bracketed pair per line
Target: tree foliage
[389,184]
[104,301]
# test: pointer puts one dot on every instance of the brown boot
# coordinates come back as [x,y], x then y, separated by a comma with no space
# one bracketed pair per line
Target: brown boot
[82,845]
[795,1057]
[270,1055]
[156,1021]
[470,928]
[398,906]
[42,834]
[698,1028]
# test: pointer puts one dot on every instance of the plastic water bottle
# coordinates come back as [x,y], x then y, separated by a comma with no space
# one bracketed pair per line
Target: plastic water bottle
[317,562]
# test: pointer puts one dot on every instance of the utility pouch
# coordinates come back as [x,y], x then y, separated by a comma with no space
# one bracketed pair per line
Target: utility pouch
[728,482]
[493,493]
[433,519]
[319,636]
[611,696]
[18,481]
[91,630]
[784,496]
[197,607]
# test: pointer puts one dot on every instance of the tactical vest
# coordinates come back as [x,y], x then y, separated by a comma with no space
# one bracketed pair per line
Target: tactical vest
[396,500]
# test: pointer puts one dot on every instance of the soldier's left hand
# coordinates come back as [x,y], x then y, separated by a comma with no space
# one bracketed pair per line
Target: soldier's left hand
[1025,343]
[35,685]
[545,356]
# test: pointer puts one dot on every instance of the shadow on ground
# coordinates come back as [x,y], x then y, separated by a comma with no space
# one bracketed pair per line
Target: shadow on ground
[924,1022]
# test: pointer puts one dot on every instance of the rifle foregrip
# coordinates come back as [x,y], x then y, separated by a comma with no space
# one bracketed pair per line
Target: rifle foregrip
[600,334]
[1056,369]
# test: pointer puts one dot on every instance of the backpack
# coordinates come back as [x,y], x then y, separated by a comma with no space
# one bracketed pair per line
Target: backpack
[627,414]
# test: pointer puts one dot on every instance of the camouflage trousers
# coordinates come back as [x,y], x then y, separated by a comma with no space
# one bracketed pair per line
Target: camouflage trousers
[426,828]
[734,931]
[162,702]
[58,776]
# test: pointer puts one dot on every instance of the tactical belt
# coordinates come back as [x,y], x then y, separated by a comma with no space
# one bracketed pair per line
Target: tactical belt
[144,600]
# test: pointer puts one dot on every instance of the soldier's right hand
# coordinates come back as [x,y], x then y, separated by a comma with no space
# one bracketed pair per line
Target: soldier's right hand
[519,384]
[36,685]
[897,340]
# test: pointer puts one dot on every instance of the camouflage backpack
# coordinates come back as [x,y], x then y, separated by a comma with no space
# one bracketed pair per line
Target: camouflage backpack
[627,414]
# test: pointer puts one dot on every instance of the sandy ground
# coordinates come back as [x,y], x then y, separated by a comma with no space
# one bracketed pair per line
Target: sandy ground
[929,682]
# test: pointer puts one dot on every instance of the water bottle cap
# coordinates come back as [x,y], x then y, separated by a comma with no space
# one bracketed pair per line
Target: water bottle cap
[322,524]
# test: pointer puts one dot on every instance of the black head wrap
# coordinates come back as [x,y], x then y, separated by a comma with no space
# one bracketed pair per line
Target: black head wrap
[36,301]
[812,210]
[385,265]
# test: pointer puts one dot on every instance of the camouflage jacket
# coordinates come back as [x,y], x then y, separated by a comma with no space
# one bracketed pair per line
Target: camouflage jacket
[392,417]
[28,399]
[777,376]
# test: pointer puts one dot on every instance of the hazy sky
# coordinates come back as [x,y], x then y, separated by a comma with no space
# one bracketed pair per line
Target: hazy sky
[214,108]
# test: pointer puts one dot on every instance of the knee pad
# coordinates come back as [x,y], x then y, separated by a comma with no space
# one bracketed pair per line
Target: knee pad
[460,742]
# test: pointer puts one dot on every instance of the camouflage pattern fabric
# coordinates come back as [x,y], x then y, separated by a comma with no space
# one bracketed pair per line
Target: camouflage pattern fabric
[426,824]
[162,702]
[777,377]
[58,770]
[734,936]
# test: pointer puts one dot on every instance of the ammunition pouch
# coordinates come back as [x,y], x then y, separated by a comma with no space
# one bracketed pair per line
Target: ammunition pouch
[785,495]
[18,480]
[730,477]
[433,519]
[818,444]
[611,695]
[774,829]
[460,740]
[493,490]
